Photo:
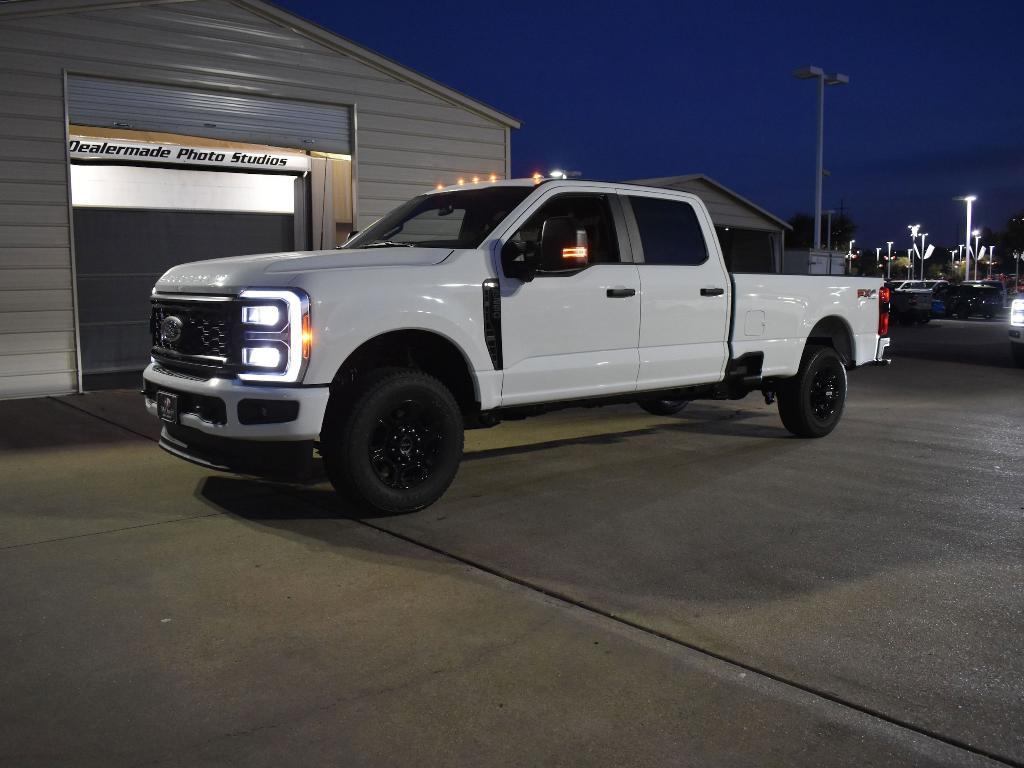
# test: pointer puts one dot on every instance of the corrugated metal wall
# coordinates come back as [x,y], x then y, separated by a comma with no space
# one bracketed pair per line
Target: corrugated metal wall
[408,139]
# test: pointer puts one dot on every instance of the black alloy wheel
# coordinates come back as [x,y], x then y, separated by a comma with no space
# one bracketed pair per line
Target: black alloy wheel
[393,442]
[824,395]
[663,407]
[405,444]
[811,403]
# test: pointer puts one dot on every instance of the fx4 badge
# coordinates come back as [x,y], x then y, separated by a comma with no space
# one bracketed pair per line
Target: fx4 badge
[866,293]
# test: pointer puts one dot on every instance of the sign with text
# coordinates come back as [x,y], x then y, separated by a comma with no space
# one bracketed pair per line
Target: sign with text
[125,150]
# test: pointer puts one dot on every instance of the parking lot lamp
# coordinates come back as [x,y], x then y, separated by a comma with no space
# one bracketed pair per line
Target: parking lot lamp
[977,240]
[808,73]
[888,261]
[913,247]
[969,199]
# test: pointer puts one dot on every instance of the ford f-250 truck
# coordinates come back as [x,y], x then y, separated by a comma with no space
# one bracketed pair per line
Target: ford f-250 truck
[483,302]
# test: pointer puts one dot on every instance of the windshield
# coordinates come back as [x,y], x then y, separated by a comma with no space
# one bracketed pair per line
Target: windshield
[458,219]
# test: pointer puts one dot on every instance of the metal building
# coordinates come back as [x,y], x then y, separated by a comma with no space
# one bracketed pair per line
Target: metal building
[138,134]
[752,239]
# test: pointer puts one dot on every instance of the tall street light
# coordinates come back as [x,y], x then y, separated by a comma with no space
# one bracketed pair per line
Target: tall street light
[913,248]
[923,257]
[808,73]
[977,240]
[888,261]
[969,199]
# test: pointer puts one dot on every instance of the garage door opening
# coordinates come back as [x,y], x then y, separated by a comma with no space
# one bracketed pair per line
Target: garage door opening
[143,203]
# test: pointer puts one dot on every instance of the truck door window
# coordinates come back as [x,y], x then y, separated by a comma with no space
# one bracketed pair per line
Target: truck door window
[669,231]
[591,212]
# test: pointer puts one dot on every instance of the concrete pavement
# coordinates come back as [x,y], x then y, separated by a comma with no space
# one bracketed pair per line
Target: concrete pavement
[598,588]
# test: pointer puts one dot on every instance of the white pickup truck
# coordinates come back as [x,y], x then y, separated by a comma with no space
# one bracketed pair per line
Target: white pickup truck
[484,302]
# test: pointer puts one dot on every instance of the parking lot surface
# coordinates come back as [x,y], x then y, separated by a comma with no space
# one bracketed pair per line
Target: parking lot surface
[599,587]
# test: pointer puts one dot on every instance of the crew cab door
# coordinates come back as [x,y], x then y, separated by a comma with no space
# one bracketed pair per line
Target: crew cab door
[685,291]
[572,333]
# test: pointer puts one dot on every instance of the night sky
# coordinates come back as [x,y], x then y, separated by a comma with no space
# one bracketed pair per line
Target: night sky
[619,90]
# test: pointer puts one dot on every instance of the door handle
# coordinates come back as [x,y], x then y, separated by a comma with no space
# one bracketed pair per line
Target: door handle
[620,293]
[712,291]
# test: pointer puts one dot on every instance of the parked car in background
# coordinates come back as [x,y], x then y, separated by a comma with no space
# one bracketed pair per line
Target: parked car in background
[1017,332]
[962,301]
[911,301]
[1000,289]
[939,300]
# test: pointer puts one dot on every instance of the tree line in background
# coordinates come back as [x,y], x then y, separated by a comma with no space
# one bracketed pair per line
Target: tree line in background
[1007,241]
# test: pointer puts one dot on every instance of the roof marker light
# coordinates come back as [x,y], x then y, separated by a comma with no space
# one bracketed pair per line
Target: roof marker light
[493,177]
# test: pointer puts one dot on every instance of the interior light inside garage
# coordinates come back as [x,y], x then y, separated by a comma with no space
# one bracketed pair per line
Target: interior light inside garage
[126,186]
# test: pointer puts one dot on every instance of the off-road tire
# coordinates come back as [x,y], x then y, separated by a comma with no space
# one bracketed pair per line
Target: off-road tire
[811,403]
[663,407]
[396,443]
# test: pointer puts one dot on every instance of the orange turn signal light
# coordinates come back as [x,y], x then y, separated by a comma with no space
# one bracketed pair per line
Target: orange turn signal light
[575,253]
[307,337]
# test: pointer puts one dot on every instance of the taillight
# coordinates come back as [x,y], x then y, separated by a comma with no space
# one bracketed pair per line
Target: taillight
[883,311]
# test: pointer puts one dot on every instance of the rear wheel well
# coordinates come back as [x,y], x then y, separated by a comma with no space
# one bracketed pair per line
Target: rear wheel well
[422,350]
[835,333]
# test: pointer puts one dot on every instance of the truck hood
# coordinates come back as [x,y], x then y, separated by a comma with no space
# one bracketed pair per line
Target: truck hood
[268,269]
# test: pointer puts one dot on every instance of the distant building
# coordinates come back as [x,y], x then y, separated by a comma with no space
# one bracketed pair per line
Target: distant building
[752,239]
[139,135]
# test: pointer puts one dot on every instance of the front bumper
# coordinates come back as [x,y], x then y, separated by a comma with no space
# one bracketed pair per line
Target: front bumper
[227,421]
[1017,335]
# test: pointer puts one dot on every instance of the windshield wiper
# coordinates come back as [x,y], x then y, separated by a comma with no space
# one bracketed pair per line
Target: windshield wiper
[388,244]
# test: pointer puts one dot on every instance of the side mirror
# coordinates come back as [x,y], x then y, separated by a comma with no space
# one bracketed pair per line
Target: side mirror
[519,260]
[563,245]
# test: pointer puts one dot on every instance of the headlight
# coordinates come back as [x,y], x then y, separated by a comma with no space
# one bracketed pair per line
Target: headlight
[261,314]
[1017,312]
[261,357]
[275,334]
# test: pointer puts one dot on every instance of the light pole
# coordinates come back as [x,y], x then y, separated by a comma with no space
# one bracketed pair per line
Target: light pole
[969,199]
[807,73]
[977,240]
[1017,256]
[828,233]
[991,258]
[922,255]
[910,251]
[888,261]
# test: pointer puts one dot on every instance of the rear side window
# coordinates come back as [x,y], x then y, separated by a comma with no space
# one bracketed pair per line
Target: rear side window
[669,231]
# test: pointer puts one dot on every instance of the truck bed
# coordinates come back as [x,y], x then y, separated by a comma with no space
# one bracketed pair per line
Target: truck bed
[777,313]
